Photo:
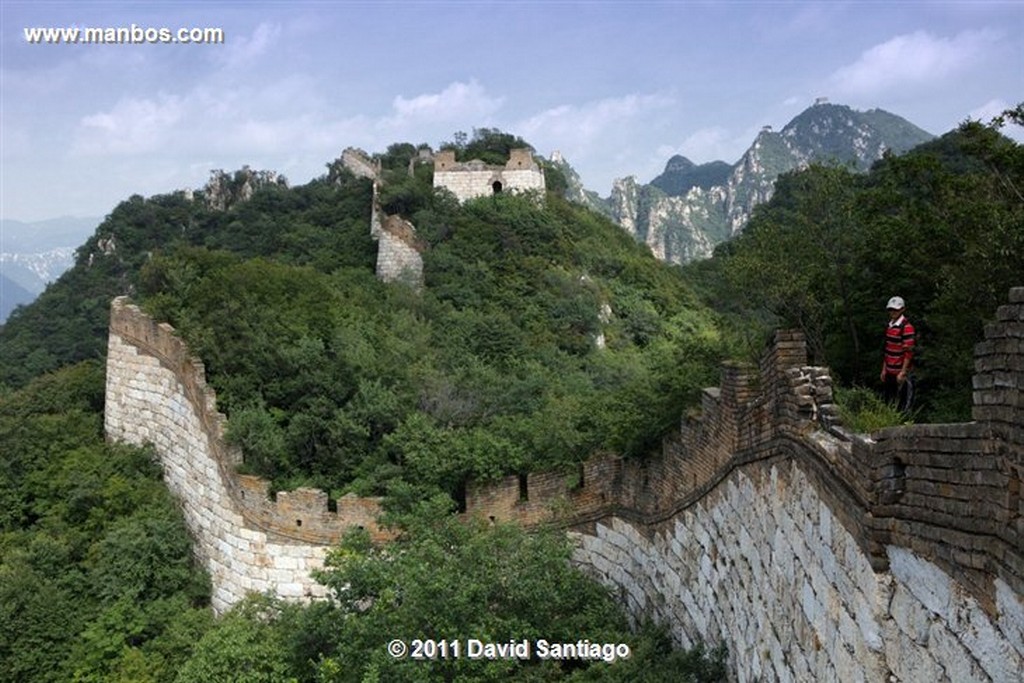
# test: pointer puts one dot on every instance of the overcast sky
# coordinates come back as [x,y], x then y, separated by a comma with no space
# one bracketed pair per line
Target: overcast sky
[617,87]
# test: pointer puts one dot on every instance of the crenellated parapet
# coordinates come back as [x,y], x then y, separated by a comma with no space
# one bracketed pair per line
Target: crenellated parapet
[156,393]
[817,554]
[953,492]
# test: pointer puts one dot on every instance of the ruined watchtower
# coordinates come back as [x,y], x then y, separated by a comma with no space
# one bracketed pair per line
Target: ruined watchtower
[474,178]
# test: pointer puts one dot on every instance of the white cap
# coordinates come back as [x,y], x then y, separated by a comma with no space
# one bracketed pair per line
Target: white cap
[896,303]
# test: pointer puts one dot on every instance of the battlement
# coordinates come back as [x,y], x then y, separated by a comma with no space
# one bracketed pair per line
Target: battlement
[471,179]
[300,515]
[949,492]
[156,393]
[925,480]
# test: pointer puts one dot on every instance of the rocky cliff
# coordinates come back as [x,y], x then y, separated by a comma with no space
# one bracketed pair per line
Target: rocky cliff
[688,209]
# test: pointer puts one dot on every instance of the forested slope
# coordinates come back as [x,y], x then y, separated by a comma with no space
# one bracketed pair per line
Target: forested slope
[942,226]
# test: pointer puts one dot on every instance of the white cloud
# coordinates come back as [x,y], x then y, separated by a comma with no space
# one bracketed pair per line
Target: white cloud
[714,143]
[986,112]
[599,138]
[591,122]
[242,51]
[911,60]
[707,144]
[458,102]
[990,109]
[132,126]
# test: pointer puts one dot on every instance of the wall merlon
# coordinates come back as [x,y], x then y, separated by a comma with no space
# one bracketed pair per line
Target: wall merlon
[1010,313]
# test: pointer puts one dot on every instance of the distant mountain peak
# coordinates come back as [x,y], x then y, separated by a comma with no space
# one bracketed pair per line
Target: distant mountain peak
[678,163]
[688,209]
[682,175]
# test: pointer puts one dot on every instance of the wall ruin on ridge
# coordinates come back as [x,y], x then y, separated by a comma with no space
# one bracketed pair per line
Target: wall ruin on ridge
[473,179]
[399,250]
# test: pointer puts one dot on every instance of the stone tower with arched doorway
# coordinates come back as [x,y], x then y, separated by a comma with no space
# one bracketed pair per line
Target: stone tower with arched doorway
[471,179]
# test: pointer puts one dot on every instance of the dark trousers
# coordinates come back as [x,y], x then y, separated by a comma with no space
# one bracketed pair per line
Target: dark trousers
[899,395]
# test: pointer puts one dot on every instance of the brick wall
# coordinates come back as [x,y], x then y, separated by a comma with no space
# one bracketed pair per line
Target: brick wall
[949,492]
[156,393]
[475,179]
[399,250]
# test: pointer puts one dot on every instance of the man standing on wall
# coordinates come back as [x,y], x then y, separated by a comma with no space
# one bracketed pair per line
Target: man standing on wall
[898,385]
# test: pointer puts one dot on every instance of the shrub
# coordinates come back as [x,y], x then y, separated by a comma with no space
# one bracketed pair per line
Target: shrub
[863,411]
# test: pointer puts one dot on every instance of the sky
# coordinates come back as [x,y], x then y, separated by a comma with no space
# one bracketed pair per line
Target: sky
[616,87]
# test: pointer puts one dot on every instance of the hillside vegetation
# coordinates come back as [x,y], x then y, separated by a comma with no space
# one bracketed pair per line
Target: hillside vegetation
[336,379]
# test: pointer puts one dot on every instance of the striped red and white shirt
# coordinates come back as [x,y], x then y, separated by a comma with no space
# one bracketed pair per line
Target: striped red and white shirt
[899,345]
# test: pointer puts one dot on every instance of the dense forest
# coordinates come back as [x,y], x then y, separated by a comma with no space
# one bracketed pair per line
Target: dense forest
[542,335]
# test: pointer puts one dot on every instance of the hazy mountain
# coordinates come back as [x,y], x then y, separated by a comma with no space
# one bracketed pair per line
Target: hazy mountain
[33,254]
[688,209]
[20,237]
[34,271]
[681,175]
[12,295]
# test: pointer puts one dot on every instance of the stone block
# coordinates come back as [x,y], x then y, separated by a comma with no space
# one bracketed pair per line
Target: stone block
[291,590]
[932,587]
[847,667]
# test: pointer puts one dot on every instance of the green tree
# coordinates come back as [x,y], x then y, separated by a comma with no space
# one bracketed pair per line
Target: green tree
[245,647]
[942,226]
[96,568]
[449,579]
[796,256]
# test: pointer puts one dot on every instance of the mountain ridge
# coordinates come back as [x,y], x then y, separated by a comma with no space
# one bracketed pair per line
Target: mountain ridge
[688,209]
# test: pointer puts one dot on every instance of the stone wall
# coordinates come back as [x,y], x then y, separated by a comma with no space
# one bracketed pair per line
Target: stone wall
[763,564]
[359,163]
[813,553]
[399,252]
[476,179]
[156,393]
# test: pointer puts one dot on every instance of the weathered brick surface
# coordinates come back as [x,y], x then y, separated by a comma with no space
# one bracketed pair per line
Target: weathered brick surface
[476,179]
[399,250]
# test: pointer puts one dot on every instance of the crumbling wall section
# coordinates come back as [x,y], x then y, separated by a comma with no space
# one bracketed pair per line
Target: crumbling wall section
[472,179]
[156,393]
